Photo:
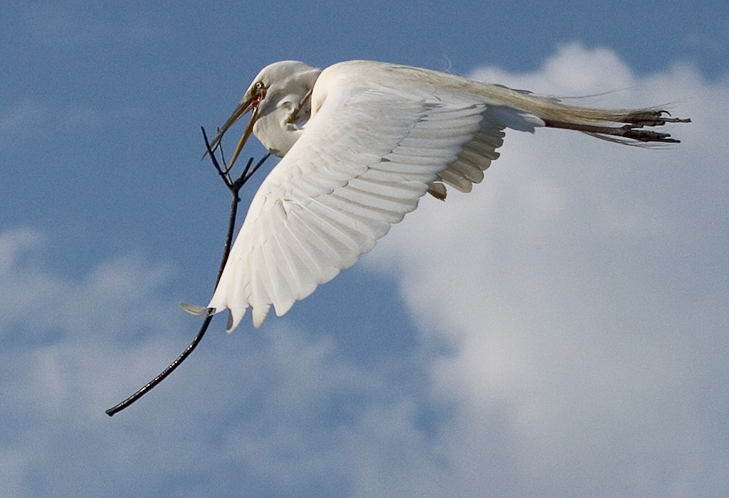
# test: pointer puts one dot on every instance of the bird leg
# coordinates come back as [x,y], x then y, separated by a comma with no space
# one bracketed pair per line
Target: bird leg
[632,130]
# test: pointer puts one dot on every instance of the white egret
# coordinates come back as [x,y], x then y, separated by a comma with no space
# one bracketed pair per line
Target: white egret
[361,142]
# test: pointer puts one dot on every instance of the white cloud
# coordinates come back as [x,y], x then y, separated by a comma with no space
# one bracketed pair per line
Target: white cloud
[22,118]
[32,118]
[55,25]
[289,413]
[584,286]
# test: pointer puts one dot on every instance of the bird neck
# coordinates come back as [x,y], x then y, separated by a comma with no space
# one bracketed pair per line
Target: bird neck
[276,131]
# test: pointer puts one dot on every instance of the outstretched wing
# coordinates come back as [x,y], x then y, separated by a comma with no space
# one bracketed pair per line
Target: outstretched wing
[366,157]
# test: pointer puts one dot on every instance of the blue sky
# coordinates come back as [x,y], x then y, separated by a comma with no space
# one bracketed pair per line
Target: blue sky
[560,331]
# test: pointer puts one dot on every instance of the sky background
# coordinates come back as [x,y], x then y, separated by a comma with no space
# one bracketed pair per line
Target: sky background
[562,331]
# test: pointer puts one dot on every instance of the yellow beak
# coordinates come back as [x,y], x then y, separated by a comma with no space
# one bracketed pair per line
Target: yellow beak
[245,105]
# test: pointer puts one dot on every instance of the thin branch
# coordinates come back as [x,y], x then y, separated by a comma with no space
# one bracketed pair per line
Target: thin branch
[170,368]
[234,187]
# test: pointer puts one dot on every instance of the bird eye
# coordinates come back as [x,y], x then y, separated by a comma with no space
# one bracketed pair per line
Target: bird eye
[259,86]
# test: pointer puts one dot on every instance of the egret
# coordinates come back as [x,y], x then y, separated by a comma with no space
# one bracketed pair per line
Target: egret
[360,143]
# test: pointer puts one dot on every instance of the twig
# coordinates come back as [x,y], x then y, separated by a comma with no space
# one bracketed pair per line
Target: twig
[234,186]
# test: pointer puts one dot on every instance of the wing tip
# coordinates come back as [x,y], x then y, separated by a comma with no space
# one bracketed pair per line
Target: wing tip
[259,315]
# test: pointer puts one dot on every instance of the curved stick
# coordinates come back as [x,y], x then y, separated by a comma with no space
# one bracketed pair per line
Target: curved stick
[170,368]
[234,187]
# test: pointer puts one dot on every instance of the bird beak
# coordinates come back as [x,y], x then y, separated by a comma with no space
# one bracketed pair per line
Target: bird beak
[245,105]
[246,133]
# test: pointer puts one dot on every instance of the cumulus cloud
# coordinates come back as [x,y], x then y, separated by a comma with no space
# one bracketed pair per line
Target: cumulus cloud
[572,316]
[584,288]
[291,412]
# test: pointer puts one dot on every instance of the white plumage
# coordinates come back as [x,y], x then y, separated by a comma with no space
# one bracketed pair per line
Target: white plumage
[361,142]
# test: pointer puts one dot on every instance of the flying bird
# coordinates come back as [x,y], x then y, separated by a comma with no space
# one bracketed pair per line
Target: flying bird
[360,143]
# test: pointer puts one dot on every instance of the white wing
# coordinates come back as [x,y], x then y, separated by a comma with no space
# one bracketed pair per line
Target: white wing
[366,157]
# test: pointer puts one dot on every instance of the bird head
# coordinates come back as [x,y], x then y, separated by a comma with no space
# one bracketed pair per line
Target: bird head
[280,88]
